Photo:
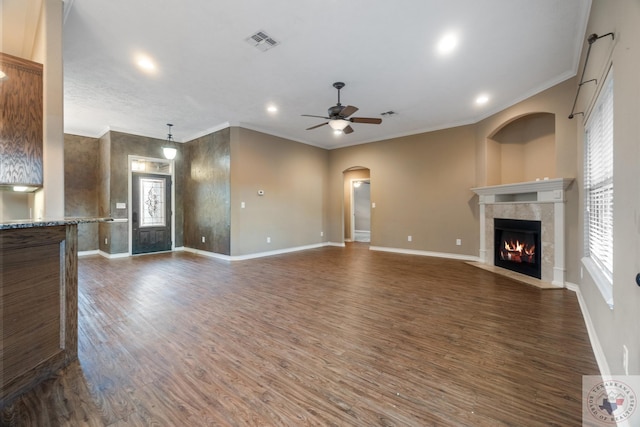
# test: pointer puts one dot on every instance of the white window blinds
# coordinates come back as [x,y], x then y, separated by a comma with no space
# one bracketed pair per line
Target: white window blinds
[598,181]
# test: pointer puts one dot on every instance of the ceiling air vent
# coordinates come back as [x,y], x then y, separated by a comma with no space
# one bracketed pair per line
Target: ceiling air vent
[389,113]
[262,41]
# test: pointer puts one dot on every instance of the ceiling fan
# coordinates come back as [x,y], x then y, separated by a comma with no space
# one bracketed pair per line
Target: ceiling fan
[338,116]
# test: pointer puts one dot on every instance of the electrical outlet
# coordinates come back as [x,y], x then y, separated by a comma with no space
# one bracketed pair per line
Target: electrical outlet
[106,241]
[625,359]
[322,234]
[242,205]
[409,238]
[203,239]
[458,242]
[268,239]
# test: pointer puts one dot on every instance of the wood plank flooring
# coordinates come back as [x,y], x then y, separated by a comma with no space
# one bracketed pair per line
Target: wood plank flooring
[330,336]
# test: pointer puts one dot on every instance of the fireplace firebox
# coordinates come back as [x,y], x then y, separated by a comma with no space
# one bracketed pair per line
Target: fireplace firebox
[517,246]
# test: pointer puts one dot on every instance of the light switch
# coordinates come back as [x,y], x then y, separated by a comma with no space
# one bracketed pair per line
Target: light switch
[121,206]
[373,205]
[242,205]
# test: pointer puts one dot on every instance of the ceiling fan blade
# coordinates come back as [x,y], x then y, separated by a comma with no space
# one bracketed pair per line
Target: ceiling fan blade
[317,126]
[347,130]
[319,117]
[370,120]
[348,110]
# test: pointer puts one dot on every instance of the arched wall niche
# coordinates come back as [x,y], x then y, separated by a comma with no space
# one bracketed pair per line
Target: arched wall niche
[349,174]
[522,149]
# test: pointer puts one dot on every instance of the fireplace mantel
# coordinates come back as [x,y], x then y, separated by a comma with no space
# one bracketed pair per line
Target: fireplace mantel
[540,191]
[541,200]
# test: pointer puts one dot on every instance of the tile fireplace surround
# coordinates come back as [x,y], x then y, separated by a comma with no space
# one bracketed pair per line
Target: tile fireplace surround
[541,200]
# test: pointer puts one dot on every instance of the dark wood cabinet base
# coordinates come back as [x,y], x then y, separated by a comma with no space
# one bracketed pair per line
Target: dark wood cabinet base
[39,288]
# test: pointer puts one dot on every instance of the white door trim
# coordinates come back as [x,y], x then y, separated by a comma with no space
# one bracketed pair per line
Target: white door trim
[172,167]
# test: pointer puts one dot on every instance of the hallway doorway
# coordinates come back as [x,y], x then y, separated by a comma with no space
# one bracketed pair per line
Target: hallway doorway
[357,204]
[361,206]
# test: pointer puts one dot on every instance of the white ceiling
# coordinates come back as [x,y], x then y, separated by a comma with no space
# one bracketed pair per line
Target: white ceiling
[208,77]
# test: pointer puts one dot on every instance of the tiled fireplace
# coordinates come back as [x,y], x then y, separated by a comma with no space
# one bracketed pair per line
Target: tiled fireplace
[540,201]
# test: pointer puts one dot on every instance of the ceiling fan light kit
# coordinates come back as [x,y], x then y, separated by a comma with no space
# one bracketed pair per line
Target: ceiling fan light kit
[338,116]
[338,124]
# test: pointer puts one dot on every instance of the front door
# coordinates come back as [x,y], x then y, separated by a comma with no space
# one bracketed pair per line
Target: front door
[150,213]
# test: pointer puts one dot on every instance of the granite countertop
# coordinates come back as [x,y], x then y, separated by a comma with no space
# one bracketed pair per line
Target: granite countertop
[30,223]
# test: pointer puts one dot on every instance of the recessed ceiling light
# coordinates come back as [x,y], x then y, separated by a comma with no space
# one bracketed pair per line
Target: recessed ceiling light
[337,132]
[448,43]
[272,109]
[146,64]
[482,99]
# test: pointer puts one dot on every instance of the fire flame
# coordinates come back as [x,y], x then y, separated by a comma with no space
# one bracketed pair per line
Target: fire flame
[518,251]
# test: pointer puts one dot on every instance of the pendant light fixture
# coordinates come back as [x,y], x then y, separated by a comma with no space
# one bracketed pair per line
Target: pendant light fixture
[169,152]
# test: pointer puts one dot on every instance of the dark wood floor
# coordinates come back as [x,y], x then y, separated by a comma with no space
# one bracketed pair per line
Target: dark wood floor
[331,336]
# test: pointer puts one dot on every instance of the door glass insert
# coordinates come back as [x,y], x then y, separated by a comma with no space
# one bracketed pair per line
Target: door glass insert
[152,202]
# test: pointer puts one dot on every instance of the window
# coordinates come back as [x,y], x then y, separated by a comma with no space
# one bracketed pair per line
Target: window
[598,183]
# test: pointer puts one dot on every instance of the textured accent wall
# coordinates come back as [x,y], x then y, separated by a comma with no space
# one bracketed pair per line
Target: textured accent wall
[81,172]
[21,131]
[112,174]
[207,179]
[104,192]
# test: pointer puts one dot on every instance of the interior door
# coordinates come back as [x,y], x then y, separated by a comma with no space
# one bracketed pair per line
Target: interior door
[150,213]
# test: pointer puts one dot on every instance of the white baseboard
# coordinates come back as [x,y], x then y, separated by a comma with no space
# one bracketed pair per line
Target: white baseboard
[114,256]
[257,254]
[87,253]
[593,336]
[340,245]
[348,240]
[206,253]
[425,253]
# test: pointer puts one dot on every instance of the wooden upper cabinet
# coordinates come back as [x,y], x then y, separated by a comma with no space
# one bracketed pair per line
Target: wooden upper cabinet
[21,125]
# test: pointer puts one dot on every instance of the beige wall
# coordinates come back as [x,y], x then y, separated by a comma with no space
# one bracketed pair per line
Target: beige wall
[50,200]
[14,206]
[293,178]
[421,187]
[556,101]
[523,150]
[617,327]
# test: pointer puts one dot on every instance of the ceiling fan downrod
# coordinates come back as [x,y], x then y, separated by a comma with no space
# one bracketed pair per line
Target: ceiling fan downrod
[338,85]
